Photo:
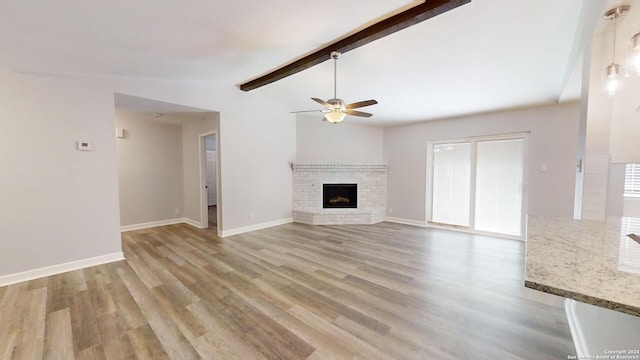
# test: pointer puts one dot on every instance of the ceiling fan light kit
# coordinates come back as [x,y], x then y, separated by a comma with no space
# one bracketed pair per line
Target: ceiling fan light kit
[335,109]
[335,116]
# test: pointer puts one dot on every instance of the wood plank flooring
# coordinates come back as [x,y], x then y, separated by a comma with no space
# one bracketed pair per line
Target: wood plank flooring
[295,291]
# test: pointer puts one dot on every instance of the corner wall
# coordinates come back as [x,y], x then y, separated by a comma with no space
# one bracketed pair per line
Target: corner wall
[553,141]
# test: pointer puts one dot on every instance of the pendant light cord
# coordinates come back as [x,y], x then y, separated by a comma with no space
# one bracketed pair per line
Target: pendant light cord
[613,55]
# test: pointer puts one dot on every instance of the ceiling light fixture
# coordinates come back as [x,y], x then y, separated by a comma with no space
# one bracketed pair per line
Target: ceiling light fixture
[335,116]
[613,81]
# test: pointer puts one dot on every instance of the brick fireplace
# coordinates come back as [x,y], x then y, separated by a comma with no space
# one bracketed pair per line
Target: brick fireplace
[309,203]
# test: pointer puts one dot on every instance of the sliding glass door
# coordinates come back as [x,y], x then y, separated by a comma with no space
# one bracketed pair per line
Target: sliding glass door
[478,184]
[498,205]
[451,175]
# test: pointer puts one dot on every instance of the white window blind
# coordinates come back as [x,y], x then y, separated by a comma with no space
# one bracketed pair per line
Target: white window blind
[632,180]
[451,183]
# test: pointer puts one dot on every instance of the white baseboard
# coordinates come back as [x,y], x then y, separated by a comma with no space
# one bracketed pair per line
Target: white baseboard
[161,223]
[194,223]
[406,221]
[576,330]
[255,227]
[59,268]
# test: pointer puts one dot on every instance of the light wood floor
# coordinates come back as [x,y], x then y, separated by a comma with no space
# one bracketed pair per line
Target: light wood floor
[295,291]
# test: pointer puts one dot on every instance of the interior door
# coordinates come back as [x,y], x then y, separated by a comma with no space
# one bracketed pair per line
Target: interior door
[211,177]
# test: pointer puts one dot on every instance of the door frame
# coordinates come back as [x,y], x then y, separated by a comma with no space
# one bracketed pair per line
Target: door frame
[473,140]
[204,201]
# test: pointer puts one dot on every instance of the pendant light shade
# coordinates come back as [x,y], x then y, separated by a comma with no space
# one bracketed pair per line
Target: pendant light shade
[613,81]
[612,78]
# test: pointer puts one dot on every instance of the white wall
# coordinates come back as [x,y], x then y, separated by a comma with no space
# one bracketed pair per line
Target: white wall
[322,142]
[61,205]
[150,169]
[613,123]
[57,204]
[553,141]
[597,330]
[615,190]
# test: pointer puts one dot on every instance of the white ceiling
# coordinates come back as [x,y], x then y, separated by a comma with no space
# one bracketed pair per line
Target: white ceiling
[483,56]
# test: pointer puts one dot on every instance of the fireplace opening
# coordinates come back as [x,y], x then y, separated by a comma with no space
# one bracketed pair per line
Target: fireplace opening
[339,196]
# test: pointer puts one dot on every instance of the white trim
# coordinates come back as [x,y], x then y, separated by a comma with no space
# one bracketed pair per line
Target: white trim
[152,224]
[582,351]
[59,268]
[405,221]
[255,227]
[467,230]
[195,223]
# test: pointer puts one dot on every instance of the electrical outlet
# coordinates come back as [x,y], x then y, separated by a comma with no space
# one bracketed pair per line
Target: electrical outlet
[251,216]
[390,210]
[177,211]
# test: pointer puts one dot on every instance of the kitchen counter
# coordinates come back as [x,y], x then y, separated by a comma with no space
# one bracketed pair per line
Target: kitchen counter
[589,261]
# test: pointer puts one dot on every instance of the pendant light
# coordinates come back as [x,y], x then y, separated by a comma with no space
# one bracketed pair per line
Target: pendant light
[613,79]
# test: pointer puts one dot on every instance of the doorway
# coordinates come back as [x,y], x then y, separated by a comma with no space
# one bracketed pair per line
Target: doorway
[211,160]
[478,184]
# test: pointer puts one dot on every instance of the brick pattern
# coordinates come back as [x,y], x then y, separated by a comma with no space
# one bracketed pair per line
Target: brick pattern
[307,193]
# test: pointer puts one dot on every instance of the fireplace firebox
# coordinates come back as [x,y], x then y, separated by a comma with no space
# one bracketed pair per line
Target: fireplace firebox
[340,196]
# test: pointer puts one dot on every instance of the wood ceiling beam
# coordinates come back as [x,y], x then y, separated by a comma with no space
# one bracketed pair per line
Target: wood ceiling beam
[388,26]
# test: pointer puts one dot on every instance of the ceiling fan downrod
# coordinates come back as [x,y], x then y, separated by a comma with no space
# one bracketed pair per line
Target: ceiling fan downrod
[335,55]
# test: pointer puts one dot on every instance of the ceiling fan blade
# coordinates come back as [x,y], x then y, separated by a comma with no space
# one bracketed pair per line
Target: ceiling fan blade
[360,104]
[321,102]
[357,113]
[305,111]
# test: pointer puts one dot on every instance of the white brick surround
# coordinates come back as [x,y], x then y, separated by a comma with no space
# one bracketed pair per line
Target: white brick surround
[307,193]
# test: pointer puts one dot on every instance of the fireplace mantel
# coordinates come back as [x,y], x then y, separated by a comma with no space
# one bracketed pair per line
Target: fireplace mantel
[339,167]
[307,193]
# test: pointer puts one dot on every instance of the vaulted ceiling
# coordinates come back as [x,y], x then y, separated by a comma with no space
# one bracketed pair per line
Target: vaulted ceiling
[482,56]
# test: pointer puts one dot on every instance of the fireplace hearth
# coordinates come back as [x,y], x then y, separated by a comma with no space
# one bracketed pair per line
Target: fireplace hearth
[340,196]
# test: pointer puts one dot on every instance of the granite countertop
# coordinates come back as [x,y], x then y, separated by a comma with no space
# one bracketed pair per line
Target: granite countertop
[590,261]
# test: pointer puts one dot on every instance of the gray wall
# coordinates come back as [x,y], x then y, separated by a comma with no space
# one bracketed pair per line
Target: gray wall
[58,204]
[150,169]
[191,161]
[322,142]
[61,205]
[553,141]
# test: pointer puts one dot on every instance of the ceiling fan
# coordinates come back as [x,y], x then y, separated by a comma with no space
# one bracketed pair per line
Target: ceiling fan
[335,109]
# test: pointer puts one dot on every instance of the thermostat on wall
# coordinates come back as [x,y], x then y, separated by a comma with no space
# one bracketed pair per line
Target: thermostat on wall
[84,146]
